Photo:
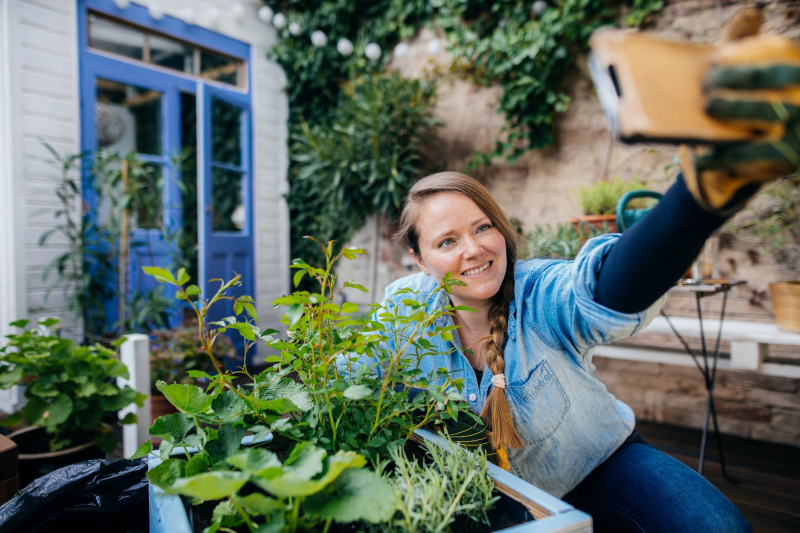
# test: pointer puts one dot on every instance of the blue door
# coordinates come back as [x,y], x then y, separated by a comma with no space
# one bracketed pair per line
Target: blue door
[178,97]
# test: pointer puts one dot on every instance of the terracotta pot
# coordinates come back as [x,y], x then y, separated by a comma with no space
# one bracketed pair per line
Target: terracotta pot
[35,461]
[786,303]
[601,223]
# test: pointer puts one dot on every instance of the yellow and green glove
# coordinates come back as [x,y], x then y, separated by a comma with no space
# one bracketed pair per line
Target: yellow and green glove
[756,81]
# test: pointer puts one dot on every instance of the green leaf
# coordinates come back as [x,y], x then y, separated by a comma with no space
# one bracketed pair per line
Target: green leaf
[257,461]
[198,464]
[226,515]
[358,392]
[298,276]
[259,504]
[287,389]
[51,414]
[129,418]
[193,290]
[355,286]
[228,405]
[187,398]
[173,427]
[162,275]
[10,377]
[209,485]
[358,494]
[295,482]
[143,450]
[165,474]
[294,313]
[12,419]
[227,443]
[183,277]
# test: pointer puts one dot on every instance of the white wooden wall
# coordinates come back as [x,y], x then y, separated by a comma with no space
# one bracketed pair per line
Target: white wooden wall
[39,97]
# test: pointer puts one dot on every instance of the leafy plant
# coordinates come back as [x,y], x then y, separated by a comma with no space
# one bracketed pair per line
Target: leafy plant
[775,222]
[601,197]
[361,164]
[561,241]
[337,407]
[94,269]
[429,495]
[70,389]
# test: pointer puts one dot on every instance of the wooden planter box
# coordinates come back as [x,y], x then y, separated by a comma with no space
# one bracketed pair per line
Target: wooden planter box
[544,512]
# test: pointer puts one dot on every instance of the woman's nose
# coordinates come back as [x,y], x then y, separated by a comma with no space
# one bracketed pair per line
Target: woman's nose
[471,248]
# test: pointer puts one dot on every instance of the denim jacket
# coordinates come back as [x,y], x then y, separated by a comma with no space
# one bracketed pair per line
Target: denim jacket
[568,420]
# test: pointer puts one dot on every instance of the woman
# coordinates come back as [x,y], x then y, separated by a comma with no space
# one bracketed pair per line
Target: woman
[525,352]
[536,323]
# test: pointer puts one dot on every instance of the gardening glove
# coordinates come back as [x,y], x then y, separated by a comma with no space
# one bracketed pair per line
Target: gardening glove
[756,80]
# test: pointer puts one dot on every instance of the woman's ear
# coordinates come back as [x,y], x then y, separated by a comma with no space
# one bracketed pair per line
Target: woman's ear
[418,260]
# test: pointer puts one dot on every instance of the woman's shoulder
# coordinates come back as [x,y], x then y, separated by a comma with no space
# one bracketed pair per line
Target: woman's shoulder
[530,270]
[418,283]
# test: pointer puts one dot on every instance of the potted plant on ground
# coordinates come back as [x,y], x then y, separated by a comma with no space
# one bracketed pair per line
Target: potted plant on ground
[72,395]
[774,219]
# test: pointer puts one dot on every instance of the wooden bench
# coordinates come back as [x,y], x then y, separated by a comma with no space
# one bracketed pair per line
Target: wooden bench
[748,345]
[9,469]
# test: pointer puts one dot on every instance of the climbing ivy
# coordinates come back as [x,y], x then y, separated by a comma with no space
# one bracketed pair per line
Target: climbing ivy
[528,48]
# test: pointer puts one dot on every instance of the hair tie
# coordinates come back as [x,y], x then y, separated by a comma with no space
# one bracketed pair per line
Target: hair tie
[499,380]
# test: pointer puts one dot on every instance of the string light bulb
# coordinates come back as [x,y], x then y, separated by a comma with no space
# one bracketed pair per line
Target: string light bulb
[295,29]
[122,4]
[265,14]
[279,20]
[237,10]
[372,51]
[434,47]
[401,50]
[156,11]
[318,38]
[344,46]
[539,6]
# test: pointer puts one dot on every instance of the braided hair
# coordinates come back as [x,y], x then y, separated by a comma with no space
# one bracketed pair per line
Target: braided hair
[495,413]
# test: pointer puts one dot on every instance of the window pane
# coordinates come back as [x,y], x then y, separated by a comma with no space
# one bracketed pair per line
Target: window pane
[217,67]
[226,196]
[171,54]
[226,132]
[117,38]
[128,117]
[188,173]
[146,181]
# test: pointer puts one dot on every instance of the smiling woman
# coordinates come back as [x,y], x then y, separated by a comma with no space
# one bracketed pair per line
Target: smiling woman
[526,334]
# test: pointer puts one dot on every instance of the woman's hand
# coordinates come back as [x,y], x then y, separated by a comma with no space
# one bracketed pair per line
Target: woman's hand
[755,80]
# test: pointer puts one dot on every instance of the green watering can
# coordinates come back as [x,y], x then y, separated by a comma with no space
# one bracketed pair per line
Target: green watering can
[628,217]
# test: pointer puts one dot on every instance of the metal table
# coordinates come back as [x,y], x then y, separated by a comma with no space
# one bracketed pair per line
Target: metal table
[708,368]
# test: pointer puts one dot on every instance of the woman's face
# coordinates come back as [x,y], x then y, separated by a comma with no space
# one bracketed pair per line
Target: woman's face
[456,236]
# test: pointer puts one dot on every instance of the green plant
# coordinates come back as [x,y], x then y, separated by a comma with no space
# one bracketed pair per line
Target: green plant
[70,389]
[174,352]
[94,268]
[429,495]
[499,42]
[361,164]
[601,197]
[562,241]
[336,408]
[775,221]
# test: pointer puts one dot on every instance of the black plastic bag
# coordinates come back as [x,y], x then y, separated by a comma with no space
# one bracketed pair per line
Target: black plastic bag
[102,495]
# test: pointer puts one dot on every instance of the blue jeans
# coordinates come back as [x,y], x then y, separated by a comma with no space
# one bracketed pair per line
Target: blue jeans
[639,489]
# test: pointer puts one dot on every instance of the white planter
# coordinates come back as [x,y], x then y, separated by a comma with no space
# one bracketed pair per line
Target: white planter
[544,512]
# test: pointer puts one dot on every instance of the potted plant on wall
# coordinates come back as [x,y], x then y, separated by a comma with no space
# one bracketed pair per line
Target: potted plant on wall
[599,203]
[71,394]
[774,219]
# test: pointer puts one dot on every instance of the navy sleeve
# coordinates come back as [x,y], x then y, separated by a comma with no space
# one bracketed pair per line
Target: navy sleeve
[653,254]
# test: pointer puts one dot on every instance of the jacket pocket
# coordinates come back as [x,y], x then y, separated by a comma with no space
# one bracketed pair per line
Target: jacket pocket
[538,405]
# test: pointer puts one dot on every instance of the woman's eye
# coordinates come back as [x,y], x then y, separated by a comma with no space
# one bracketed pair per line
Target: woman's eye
[484,227]
[446,242]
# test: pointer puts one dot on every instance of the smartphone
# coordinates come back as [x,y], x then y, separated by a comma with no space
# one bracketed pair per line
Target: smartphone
[651,90]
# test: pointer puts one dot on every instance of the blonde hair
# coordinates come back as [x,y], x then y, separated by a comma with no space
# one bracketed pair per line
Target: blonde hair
[495,413]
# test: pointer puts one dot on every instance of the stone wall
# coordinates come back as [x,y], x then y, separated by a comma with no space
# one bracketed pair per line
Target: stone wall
[538,189]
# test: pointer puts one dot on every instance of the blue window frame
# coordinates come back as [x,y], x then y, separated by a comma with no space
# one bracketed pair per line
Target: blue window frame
[222,142]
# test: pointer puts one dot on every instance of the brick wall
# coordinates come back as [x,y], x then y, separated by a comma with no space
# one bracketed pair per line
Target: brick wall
[748,404]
